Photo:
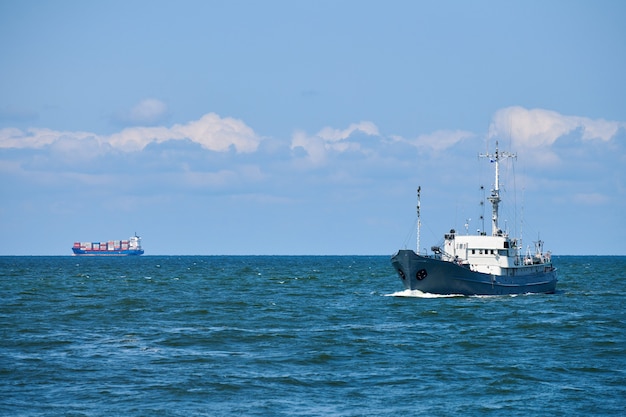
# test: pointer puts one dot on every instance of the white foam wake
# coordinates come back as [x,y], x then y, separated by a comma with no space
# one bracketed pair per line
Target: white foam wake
[420,294]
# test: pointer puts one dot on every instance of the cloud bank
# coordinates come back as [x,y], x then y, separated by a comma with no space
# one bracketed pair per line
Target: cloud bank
[233,150]
[211,131]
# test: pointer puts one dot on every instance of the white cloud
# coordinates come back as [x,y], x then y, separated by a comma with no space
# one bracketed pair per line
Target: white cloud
[217,134]
[314,146]
[539,128]
[330,139]
[35,137]
[601,129]
[333,135]
[211,131]
[532,133]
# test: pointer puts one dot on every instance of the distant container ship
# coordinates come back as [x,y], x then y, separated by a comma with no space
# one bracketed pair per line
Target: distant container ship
[130,247]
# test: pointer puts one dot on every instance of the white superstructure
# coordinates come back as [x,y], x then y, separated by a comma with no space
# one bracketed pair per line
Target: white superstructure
[497,254]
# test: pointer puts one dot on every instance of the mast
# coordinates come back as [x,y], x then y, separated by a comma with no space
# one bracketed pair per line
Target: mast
[419,219]
[494,198]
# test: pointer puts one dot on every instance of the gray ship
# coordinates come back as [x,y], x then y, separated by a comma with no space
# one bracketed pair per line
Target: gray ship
[478,264]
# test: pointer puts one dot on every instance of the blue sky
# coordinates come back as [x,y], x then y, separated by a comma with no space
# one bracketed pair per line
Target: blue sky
[305,127]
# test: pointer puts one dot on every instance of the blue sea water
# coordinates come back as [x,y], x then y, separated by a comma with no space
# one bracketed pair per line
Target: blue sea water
[301,336]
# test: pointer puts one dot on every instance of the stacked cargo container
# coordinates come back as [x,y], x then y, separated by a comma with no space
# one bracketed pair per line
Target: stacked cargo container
[130,246]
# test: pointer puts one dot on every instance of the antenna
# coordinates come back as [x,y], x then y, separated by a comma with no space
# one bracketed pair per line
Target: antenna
[494,198]
[521,227]
[419,218]
[482,208]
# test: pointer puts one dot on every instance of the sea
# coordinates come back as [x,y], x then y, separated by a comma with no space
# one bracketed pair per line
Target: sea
[302,336]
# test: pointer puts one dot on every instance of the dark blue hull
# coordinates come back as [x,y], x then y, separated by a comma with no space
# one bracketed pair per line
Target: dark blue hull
[128,252]
[435,276]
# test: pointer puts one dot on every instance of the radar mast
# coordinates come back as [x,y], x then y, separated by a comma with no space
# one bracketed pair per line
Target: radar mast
[494,198]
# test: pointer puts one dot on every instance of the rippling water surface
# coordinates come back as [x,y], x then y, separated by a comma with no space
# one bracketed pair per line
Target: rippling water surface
[301,336]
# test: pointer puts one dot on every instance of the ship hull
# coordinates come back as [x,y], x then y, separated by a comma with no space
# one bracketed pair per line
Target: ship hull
[129,252]
[436,276]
